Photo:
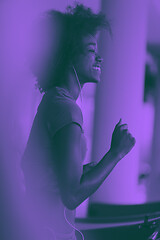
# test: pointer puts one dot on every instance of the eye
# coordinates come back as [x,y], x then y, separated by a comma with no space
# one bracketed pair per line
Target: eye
[92,50]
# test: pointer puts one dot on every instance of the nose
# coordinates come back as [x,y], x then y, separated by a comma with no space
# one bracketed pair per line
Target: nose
[99,59]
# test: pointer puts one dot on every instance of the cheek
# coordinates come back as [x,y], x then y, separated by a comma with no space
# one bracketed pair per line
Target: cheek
[90,58]
[84,65]
[88,62]
[89,65]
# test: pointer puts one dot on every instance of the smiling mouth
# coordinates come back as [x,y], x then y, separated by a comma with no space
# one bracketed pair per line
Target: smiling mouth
[97,68]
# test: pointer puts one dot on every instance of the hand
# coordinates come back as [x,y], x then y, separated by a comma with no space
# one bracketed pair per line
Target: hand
[88,167]
[122,141]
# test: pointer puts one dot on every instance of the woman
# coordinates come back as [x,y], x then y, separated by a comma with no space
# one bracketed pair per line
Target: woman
[55,177]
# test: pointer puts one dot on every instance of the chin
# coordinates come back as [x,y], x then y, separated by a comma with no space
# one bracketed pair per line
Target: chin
[92,78]
[96,80]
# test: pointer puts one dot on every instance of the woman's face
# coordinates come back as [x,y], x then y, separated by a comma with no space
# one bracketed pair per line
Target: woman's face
[45,47]
[88,63]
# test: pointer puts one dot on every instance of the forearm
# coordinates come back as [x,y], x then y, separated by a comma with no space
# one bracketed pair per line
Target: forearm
[92,180]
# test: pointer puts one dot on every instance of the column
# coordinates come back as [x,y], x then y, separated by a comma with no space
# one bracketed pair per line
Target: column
[120,95]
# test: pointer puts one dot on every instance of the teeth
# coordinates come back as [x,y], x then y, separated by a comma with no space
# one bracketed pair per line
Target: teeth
[97,68]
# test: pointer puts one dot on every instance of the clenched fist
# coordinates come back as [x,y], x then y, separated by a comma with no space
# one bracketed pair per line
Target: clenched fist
[122,141]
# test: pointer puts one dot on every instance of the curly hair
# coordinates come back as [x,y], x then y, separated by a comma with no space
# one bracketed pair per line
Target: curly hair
[78,21]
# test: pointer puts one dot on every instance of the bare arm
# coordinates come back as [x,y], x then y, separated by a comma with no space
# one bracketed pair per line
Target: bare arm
[93,179]
[75,185]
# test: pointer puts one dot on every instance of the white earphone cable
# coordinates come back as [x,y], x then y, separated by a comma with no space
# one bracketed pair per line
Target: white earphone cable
[72,225]
[78,82]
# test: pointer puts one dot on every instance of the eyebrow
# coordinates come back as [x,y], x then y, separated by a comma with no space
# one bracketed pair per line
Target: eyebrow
[91,43]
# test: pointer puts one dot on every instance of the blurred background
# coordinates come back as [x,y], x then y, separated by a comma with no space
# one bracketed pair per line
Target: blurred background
[129,89]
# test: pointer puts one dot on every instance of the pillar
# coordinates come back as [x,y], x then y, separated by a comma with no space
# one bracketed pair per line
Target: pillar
[120,95]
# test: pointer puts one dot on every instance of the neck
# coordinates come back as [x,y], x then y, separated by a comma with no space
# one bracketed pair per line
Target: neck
[71,84]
